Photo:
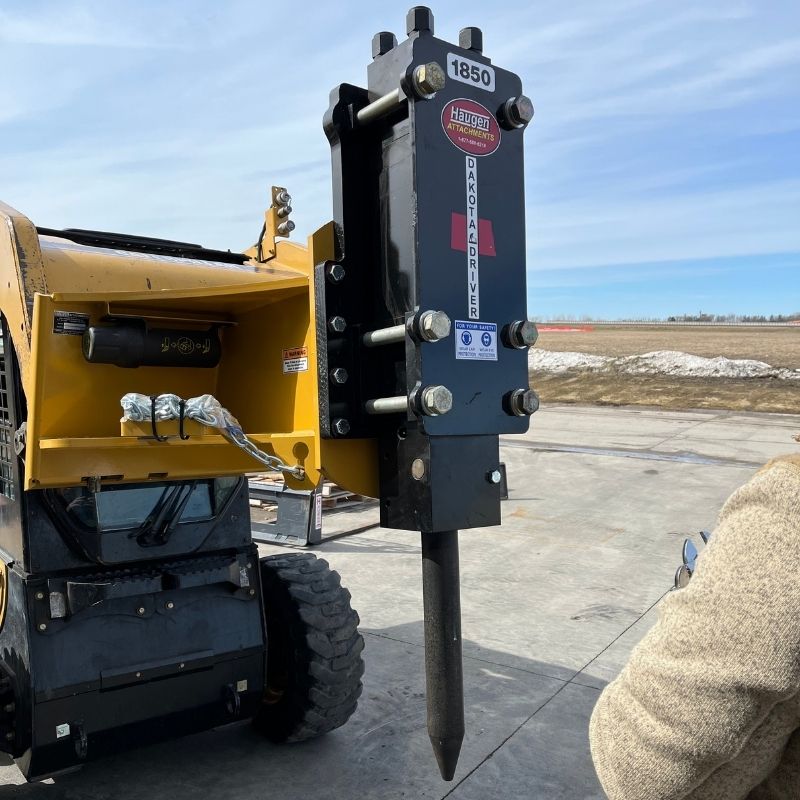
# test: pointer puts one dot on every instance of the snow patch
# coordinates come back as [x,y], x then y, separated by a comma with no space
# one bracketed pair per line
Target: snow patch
[659,362]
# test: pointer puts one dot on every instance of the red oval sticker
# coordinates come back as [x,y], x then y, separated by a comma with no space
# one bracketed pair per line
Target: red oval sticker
[471,127]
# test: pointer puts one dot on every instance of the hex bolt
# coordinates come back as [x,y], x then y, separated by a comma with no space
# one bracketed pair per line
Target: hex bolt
[419,19]
[335,273]
[248,565]
[283,197]
[252,593]
[181,665]
[138,674]
[340,426]
[339,375]
[284,211]
[286,227]
[495,476]
[417,469]
[436,400]
[471,39]
[170,605]
[521,334]
[428,79]
[434,325]
[140,611]
[42,626]
[40,595]
[382,43]
[522,402]
[517,112]
[337,324]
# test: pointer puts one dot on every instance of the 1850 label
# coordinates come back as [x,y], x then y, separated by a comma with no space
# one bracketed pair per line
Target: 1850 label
[471,127]
[470,72]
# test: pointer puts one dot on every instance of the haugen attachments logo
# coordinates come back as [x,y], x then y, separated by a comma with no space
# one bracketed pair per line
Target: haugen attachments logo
[471,127]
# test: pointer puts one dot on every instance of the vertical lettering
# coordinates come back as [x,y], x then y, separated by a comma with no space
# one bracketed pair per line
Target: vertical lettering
[473,288]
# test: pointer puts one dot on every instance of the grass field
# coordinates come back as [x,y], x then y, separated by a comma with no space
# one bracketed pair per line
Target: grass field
[779,347]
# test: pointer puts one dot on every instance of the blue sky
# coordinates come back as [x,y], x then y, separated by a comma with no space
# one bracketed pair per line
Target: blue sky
[662,168]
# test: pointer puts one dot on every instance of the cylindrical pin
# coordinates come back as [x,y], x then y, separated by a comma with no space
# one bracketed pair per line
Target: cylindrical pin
[387,405]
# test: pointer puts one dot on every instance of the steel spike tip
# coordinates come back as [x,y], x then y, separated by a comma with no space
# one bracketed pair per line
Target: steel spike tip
[443,667]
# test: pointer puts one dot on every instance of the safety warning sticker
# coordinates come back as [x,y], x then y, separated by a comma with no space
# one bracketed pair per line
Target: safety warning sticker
[70,323]
[476,340]
[295,359]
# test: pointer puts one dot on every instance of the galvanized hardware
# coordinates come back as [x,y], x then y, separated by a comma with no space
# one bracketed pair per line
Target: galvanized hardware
[387,405]
[417,469]
[140,611]
[471,39]
[520,334]
[337,324]
[428,79]
[434,325]
[339,375]
[40,595]
[286,227]
[522,402]
[382,106]
[335,273]
[516,112]
[341,426]
[436,400]
[42,626]
[382,43]
[390,335]
[170,605]
[495,476]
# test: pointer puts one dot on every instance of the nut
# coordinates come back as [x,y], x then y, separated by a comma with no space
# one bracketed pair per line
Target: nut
[340,426]
[337,324]
[339,375]
[518,111]
[523,402]
[286,227]
[522,334]
[382,43]
[434,325]
[471,39]
[335,273]
[436,400]
[283,197]
[428,79]
[419,18]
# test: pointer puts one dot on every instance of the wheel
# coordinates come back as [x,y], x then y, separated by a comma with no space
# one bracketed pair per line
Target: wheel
[314,663]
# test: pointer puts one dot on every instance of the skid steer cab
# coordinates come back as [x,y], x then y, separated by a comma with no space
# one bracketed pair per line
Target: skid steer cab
[142,380]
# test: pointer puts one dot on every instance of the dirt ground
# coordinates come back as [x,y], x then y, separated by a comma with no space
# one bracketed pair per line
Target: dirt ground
[779,347]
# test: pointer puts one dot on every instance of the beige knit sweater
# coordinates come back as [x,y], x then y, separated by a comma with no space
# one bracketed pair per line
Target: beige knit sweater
[708,707]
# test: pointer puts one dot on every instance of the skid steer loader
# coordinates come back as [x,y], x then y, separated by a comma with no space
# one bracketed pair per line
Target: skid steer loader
[142,379]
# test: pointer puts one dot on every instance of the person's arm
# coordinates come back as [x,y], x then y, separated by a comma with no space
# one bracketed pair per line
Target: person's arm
[724,652]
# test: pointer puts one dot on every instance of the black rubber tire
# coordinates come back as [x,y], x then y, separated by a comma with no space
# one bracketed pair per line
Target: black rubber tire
[314,664]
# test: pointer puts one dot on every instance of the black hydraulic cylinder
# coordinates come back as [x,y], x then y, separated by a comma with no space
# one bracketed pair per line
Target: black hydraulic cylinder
[443,667]
[139,346]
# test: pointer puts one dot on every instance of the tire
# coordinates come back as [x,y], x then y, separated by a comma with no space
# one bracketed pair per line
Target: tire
[314,664]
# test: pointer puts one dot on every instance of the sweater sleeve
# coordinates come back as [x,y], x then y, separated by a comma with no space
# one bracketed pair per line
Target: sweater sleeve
[723,654]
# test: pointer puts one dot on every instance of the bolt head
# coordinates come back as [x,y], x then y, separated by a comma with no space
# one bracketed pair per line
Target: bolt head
[417,469]
[138,674]
[418,19]
[339,375]
[40,595]
[286,227]
[471,39]
[495,476]
[170,605]
[382,43]
[530,401]
[140,611]
[523,334]
[519,111]
[428,79]
[436,400]
[252,593]
[283,197]
[42,626]
[434,325]
[340,426]
[337,324]
[335,273]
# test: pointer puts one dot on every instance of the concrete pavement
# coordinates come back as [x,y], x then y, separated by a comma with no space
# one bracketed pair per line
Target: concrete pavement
[553,601]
